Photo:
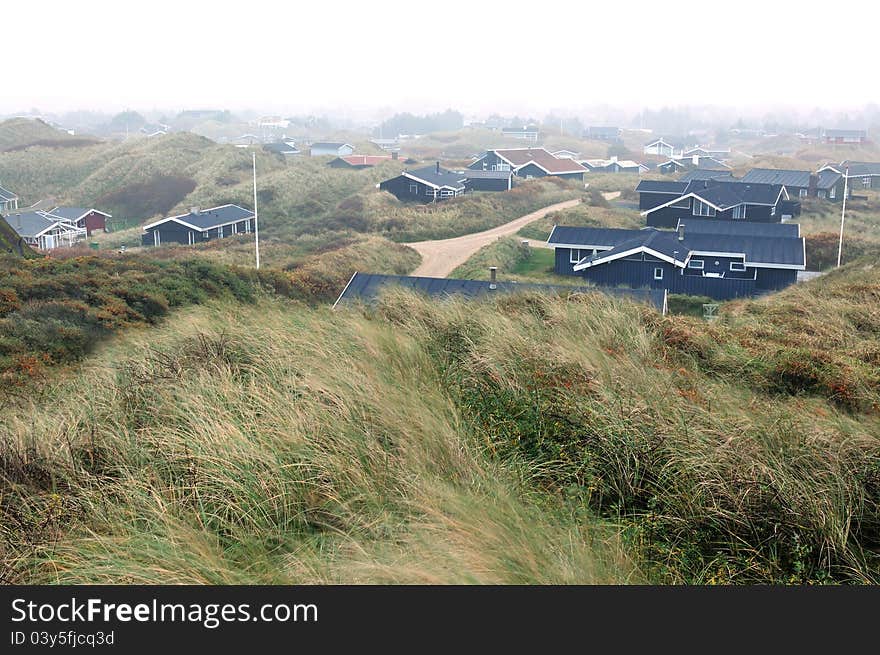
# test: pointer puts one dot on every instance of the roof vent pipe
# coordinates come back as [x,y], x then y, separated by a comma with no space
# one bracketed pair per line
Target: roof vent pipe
[492,277]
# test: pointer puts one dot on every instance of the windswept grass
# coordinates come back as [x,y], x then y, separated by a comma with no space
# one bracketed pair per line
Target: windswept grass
[524,440]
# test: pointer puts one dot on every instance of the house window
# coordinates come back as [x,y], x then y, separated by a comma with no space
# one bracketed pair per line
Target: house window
[702,209]
[737,266]
[574,256]
[235,228]
[802,193]
[866,181]
[773,210]
[658,273]
[220,232]
[204,235]
[696,263]
[739,211]
[414,189]
[832,192]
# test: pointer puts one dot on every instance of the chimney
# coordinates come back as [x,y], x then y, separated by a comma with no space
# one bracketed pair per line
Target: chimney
[438,167]
[194,210]
[492,277]
[395,155]
[681,231]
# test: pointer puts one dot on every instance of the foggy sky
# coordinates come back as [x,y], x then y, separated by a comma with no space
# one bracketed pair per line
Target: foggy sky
[473,56]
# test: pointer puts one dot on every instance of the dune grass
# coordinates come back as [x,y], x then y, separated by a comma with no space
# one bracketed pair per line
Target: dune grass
[524,440]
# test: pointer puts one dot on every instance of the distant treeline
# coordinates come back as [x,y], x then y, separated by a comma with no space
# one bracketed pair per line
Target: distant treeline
[407,123]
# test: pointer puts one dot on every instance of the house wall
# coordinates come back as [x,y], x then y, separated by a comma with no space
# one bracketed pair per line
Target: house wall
[531,170]
[176,233]
[772,279]
[93,221]
[340,152]
[490,162]
[399,187]
[484,184]
[668,216]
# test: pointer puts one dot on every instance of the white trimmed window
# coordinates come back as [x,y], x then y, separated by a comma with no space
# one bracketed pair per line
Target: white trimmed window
[739,211]
[737,266]
[658,273]
[696,263]
[866,181]
[802,193]
[574,256]
[773,210]
[414,189]
[220,232]
[702,209]
[204,235]
[832,192]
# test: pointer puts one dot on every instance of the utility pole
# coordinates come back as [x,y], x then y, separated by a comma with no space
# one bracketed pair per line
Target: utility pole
[256,220]
[842,214]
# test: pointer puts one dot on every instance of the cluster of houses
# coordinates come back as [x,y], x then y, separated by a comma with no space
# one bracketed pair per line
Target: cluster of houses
[56,228]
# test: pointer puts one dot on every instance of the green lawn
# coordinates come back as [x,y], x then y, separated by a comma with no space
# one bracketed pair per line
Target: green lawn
[538,264]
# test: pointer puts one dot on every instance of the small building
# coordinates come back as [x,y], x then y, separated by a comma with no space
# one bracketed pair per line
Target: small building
[8,201]
[488,180]
[613,165]
[526,132]
[661,147]
[199,225]
[850,137]
[283,148]
[367,288]
[89,219]
[388,145]
[528,163]
[602,133]
[361,161]
[691,162]
[565,154]
[861,174]
[42,230]
[429,184]
[664,203]
[719,264]
[321,148]
[801,184]
[720,154]
[705,174]
[154,129]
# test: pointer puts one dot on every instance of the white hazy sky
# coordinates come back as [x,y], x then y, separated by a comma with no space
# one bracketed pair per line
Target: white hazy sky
[475,56]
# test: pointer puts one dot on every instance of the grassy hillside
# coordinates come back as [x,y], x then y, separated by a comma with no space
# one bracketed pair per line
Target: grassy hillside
[10,242]
[524,440]
[22,133]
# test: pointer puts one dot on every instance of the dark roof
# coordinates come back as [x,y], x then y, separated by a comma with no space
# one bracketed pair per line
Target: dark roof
[661,186]
[769,250]
[281,148]
[778,176]
[207,219]
[366,287]
[604,237]
[703,163]
[30,224]
[74,213]
[332,145]
[7,195]
[729,193]
[486,175]
[739,228]
[363,160]
[857,168]
[705,174]
[443,178]
[828,179]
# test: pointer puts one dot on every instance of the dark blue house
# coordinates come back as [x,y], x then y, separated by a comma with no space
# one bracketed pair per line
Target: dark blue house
[428,184]
[199,225]
[722,260]
[663,203]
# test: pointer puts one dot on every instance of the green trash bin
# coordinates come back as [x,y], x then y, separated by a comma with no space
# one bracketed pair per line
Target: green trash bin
[93,245]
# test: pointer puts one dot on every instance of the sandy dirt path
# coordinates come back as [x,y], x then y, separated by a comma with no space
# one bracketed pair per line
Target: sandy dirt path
[441,257]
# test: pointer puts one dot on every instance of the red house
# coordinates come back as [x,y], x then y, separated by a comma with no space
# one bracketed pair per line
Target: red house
[90,219]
